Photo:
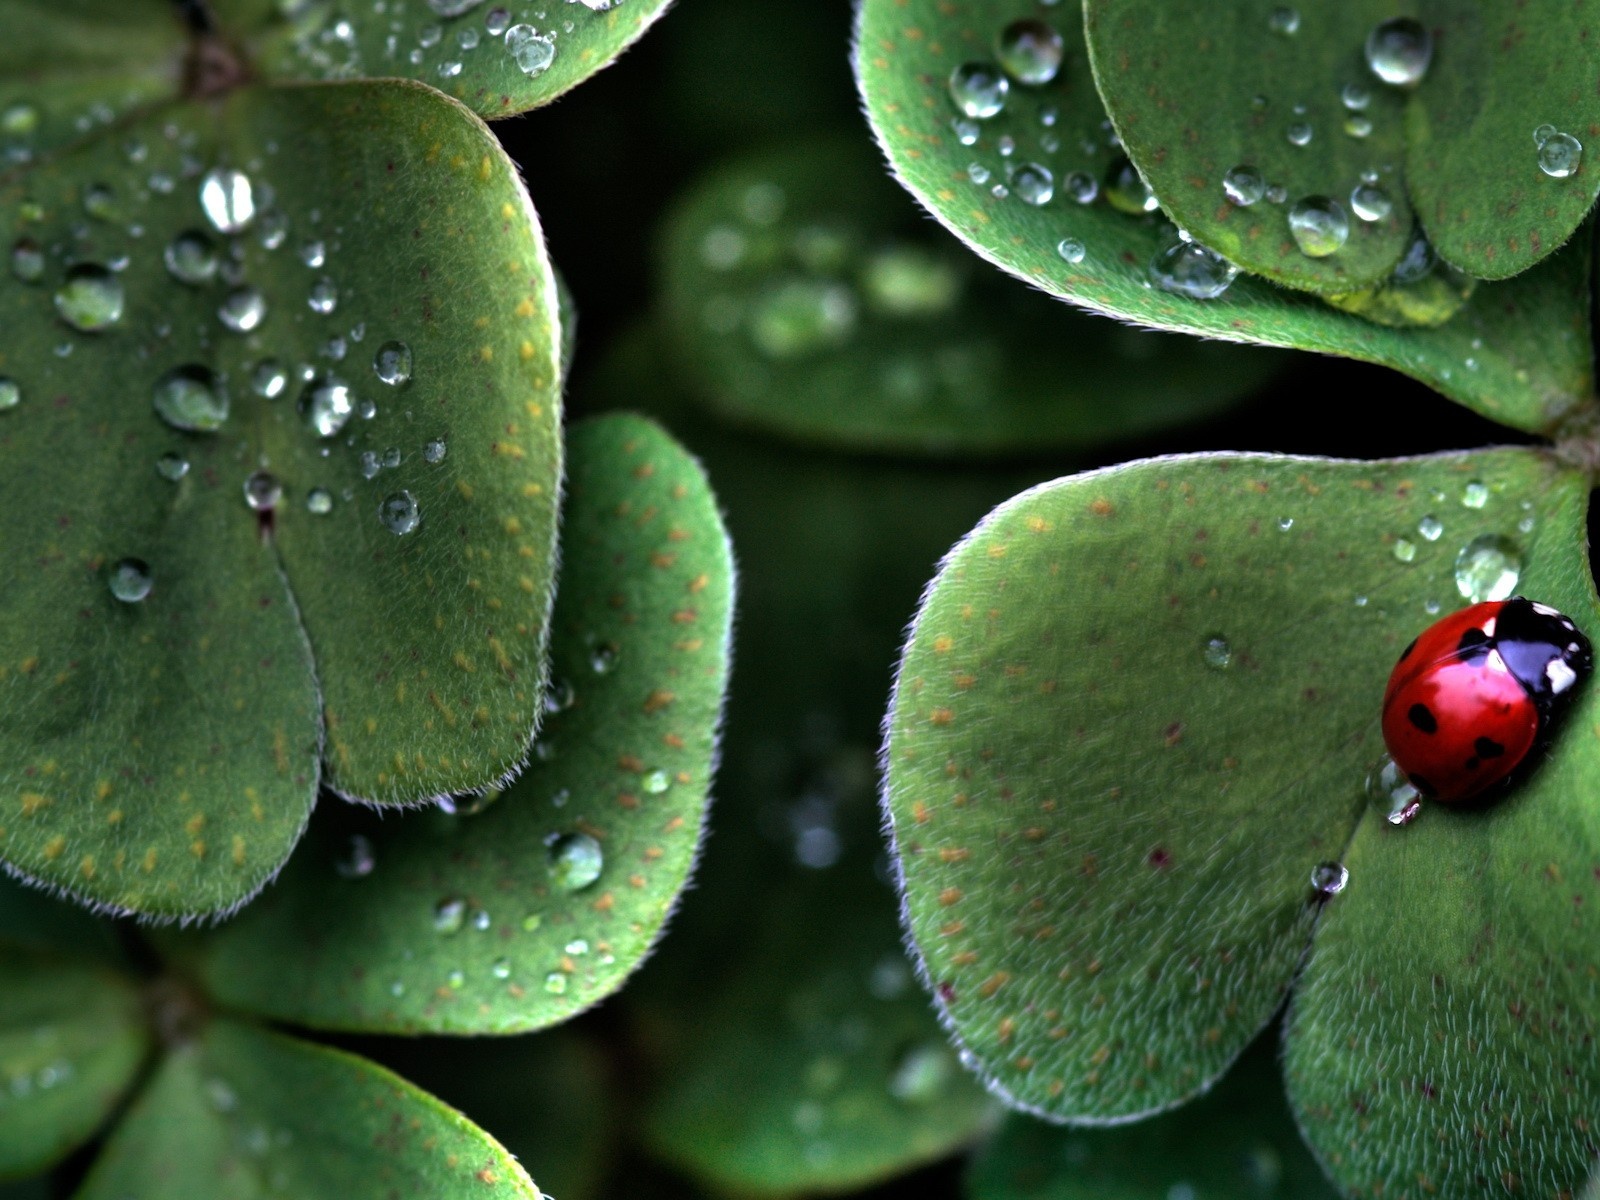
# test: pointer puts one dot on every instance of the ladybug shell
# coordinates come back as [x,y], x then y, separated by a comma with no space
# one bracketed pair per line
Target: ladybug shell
[1471,698]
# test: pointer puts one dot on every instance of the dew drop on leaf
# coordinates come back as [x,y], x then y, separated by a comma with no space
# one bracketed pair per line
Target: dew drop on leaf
[602,658]
[1244,185]
[1430,527]
[190,398]
[1370,203]
[262,490]
[1071,250]
[27,260]
[921,1073]
[1216,652]
[496,22]
[326,405]
[979,89]
[10,393]
[1487,568]
[319,501]
[172,467]
[1032,183]
[1474,495]
[1126,191]
[1030,51]
[268,379]
[1189,269]
[1391,793]
[1299,133]
[532,51]
[1405,550]
[1399,51]
[434,451]
[1329,879]
[392,363]
[501,968]
[1284,20]
[100,202]
[656,782]
[399,512]
[228,199]
[449,915]
[243,309]
[191,258]
[90,299]
[313,254]
[323,297]
[1319,226]
[1560,154]
[1081,187]
[574,860]
[555,983]
[130,580]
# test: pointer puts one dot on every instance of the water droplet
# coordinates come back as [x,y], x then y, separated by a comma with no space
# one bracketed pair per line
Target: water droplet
[222,1097]
[1032,183]
[357,859]
[19,119]
[501,968]
[27,260]
[130,580]
[656,782]
[1358,125]
[602,658]
[1488,568]
[1405,550]
[1560,155]
[531,923]
[392,363]
[1474,495]
[1319,225]
[268,379]
[555,983]
[1285,524]
[172,467]
[967,131]
[314,254]
[978,173]
[578,947]
[449,915]
[323,297]
[1030,51]
[456,978]
[262,490]
[575,860]
[189,398]
[1299,133]
[191,258]
[399,512]
[243,309]
[397,988]
[530,50]
[481,921]
[803,316]
[1216,652]
[319,501]
[979,89]
[90,299]
[1391,793]
[1370,203]
[496,22]
[10,393]
[326,405]
[370,465]
[1430,527]
[272,229]
[1126,191]
[1355,96]
[922,1073]
[1071,250]
[434,451]
[1244,185]
[228,199]
[1081,187]
[1399,51]
[1193,270]
[1328,879]
[1284,20]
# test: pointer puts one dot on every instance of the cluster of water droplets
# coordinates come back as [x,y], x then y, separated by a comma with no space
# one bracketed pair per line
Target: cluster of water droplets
[252,1138]
[34,1072]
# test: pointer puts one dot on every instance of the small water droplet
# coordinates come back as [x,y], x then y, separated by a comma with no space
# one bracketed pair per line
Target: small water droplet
[921,1073]
[456,978]
[1474,495]
[1370,203]
[19,119]
[1244,185]
[656,782]
[1081,187]
[1299,133]
[189,398]
[1430,527]
[172,467]
[319,501]
[1487,568]
[397,988]
[10,393]
[130,580]
[578,947]
[555,983]
[434,451]
[1319,226]
[243,309]
[228,199]
[1560,155]
[1190,269]
[1216,652]
[501,968]
[1030,51]
[449,915]
[1285,524]
[1071,250]
[191,258]
[1126,191]
[370,464]
[1328,879]
[262,490]
[979,89]
[602,658]
[314,254]
[91,298]
[1399,51]
[496,22]
[323,297]
[574,860]
[100,202]
[1032,183]
[357,859]
[978,173]
[327,405]
[1355,96]
[1284,20]
[967,130]
[1405,550]
[1391,793]
[268,379]
[532,51]
[27,260]
[399,512]
[1357,125]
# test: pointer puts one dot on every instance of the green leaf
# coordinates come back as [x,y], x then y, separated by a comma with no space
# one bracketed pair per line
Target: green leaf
[1235,1143]
[71,68]
[161,756]
[242,1112]
[72,1038]
[497,922]
[545,1097]
[1527,340]
[498,59]
[804,295]
[1196,91]
[1137,711]
[1444,1038]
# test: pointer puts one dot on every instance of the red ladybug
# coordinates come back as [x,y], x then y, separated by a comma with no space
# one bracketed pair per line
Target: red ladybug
[1478,692]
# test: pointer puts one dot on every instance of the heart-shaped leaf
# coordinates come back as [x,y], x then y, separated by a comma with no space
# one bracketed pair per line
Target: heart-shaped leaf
[253,430]
[1398,122]
[1518,352]
[72,1038]
[542,903]
[1237,1143]
[499,57]
[1134,720]
[804,295]
[1443,1038]
[242,1112]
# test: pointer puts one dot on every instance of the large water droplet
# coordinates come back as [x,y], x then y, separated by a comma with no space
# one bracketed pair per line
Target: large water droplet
[130,580]
[1399,51]
[979,89]
[243,309]
[1193,270]
[1126,191]
[531,50]
[575,860]
[1488,568]
[392,363]
[1030,51]
[10,393]
[1328,879]
[90,299]
[1560,155]
[1244,185]
[327,405]
[399,512]
[262,490]
[1319,225]
[228,199]
[190,398]
[191,258]
[1391,793]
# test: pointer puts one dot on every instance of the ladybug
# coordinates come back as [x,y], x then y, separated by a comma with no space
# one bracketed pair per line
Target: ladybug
[1478,692]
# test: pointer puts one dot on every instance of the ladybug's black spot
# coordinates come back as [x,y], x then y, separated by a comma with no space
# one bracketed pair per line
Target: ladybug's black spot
[1473,646]
[1488,748]
[1406,653]
[1421,784]
[1422,717]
